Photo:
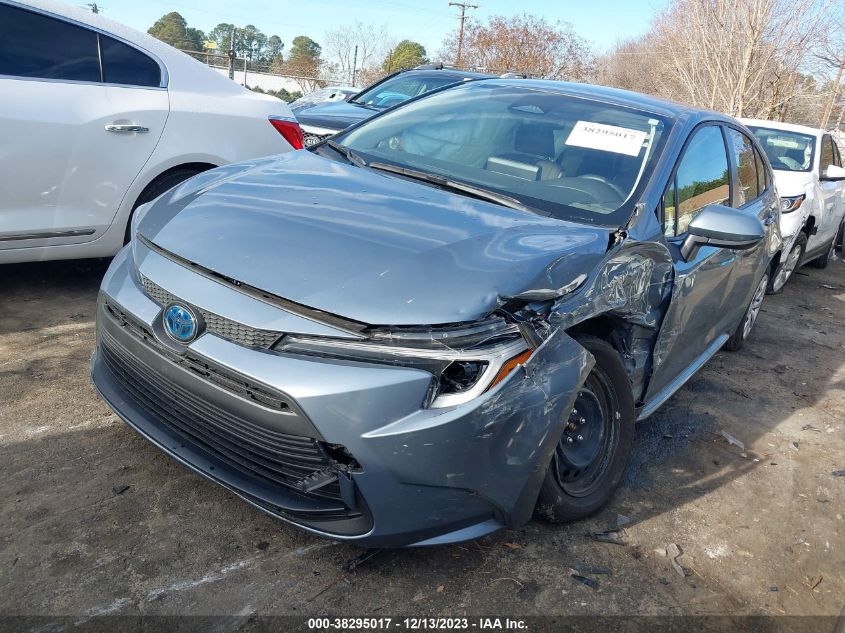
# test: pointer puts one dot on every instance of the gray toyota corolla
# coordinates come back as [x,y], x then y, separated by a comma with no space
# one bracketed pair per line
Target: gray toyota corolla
[446,319]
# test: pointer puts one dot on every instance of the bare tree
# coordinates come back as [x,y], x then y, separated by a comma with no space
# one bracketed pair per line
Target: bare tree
[340,49]
[523,43]
[739,56]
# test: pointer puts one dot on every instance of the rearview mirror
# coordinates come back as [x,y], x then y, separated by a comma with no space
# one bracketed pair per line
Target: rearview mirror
[723,227]
[834,172]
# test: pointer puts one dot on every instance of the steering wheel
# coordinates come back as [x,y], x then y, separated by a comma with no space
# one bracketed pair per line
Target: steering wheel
[605,182]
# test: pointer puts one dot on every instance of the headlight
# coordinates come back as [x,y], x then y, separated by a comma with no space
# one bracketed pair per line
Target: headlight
[788,205]
[465,361]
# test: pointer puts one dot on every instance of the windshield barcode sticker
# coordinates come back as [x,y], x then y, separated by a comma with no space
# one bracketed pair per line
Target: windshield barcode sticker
[607,138]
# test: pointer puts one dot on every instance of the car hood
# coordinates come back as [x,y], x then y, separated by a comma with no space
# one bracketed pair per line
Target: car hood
[792,183]
[335,115]
[366,245]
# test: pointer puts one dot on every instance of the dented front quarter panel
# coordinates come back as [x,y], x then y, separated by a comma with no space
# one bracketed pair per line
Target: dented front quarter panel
[632,287]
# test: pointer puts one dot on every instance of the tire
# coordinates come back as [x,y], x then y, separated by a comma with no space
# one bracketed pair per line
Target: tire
[576,485]
[839,243]
[788,265]
[822,261]
[743,330]
[163,183]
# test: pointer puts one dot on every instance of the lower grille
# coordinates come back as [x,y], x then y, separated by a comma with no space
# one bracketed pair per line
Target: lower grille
[310,138]
[277,458]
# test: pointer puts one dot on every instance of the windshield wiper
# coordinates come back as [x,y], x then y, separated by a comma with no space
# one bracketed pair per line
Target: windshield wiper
[362,104]
[447,183]
[347,153]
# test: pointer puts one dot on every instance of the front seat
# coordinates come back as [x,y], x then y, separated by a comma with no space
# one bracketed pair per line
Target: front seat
[533,155]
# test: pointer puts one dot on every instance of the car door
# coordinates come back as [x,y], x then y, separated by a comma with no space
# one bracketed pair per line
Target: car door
[749,195]
[69,152]
[830,199]
[701,310]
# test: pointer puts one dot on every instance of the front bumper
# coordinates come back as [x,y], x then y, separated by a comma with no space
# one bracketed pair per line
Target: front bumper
[417,476]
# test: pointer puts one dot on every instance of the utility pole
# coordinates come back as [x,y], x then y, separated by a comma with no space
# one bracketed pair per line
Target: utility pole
[463,6]
[232,55]
[354,64]
[828,109]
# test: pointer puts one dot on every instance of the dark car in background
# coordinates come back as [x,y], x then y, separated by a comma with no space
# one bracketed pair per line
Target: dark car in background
[447,318]
[324,119]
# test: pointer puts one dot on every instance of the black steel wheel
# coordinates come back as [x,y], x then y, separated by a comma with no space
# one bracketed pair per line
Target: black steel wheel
[590,458]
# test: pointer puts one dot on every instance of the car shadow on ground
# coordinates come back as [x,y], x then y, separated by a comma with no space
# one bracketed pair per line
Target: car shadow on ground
[100,519]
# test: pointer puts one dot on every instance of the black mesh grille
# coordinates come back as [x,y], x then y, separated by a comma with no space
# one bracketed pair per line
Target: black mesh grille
[310,138]
[214,323]
[274,457]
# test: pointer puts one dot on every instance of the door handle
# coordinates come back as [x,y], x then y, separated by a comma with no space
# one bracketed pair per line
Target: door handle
[126,128]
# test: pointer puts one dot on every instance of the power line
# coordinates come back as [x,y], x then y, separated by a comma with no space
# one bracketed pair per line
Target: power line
[464,6]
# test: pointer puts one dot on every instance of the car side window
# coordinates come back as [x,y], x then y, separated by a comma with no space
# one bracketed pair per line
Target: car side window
[125,65]
[747,187]
[763,177]
[837,157]
[827,153]
[700,179]
[38,46]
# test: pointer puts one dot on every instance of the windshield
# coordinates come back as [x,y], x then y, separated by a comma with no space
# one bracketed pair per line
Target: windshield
[573,158]
[401,88]
[787,151]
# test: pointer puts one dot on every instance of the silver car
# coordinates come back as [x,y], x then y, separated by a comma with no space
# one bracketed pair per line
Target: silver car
[445,319]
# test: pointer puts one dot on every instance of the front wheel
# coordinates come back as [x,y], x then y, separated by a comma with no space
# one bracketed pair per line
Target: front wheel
[592,453]
[789,265]
[822,261]
[743,330]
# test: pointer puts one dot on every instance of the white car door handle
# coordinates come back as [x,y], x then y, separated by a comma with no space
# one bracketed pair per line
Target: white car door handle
[126,128]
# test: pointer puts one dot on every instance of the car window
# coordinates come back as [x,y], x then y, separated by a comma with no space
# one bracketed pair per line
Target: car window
[827,153]
[34,45]
[701,177]
[670,203]
[787,151]
[574,158]
[746,188]
[762,172]
[401,88]
[123,64]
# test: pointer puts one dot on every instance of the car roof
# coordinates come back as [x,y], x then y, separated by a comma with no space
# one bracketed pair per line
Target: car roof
[448,72]
[615,96]
[788,127]
[183,71]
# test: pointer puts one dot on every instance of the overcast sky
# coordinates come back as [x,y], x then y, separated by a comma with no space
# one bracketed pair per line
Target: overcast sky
[425,21]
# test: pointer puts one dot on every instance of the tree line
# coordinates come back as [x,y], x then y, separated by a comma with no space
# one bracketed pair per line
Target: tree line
[773,59]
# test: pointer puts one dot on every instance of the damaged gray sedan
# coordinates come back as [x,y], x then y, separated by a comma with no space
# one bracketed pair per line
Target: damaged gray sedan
[443,320]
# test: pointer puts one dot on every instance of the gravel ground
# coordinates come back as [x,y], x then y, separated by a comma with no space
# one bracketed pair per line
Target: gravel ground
[94,520]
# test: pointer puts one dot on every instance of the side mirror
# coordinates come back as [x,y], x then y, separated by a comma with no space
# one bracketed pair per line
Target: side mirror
[834,172]
[723,227]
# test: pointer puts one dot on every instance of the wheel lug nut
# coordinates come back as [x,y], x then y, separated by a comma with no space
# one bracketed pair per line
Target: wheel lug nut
[581,421]
[569,439]
[580,437]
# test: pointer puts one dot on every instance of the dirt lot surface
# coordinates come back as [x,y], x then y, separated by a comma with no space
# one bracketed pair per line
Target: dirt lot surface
[95,520]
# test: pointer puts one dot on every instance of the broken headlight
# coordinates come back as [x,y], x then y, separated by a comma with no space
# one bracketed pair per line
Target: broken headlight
[465,360]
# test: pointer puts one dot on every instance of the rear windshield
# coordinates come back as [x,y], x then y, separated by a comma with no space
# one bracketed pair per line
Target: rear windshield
[572,158]
[787,151]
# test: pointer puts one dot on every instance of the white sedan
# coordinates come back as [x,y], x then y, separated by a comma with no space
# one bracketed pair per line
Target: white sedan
[810,180]
[97,118]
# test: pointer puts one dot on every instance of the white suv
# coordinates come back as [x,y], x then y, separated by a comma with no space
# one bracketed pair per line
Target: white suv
[97,118]
[810,180]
